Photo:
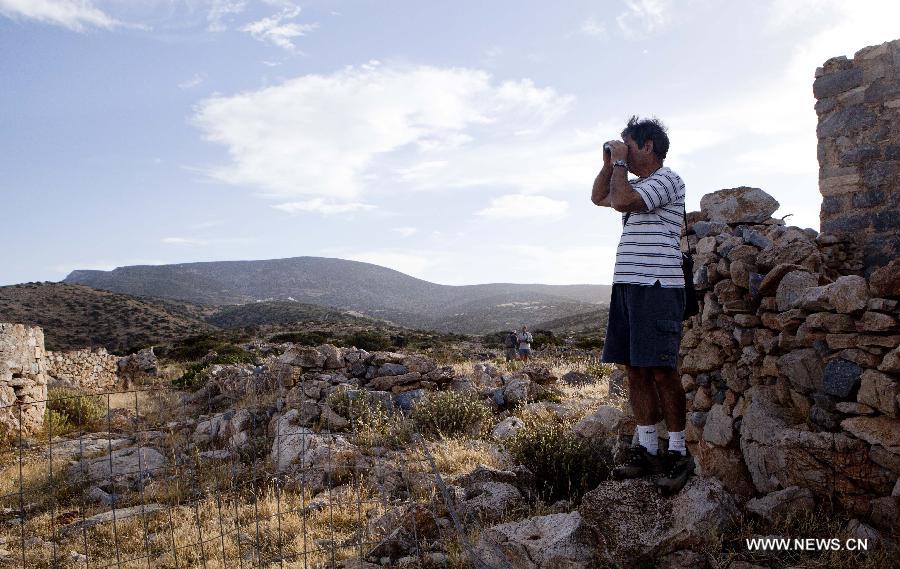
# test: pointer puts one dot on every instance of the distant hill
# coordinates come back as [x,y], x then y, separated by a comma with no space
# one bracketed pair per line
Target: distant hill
[280,312]
[591,322]
[75,316]
[371,290]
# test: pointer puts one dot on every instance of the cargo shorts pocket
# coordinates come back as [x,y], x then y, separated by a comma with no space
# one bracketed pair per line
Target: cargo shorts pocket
[668,333]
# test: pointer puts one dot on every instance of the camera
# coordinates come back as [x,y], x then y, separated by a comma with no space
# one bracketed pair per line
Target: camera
[607,147]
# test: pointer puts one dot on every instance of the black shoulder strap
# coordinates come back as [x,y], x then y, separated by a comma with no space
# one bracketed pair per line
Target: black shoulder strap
[625,222]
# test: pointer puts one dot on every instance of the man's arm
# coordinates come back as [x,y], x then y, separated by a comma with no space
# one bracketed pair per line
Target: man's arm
[622,196]
[600,193]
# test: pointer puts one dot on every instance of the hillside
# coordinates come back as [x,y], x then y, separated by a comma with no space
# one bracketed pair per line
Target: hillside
[370,289]
[279,312]
[75,316]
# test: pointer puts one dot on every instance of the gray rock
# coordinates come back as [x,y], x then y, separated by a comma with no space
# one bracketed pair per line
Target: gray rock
[753,237]
[792,287]
[738,205]
[407,399]
[130,466]
[803,369]
[785,502]
[507,428]
[557,540]
[718,428]
[391,369]
[577,378]
[636,526]
[606,420]
[705,228]
[490,501]
[841,378]
[848,294]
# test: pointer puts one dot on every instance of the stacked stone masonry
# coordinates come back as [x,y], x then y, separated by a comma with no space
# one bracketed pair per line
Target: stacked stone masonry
[791,370]
[859,154]
[23,379]
[91,369]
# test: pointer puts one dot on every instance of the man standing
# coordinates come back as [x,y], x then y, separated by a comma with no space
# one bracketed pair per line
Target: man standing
[525,340]
[647,304]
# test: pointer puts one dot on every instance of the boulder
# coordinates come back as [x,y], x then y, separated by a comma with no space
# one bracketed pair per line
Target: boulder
[577,378]
[606,420]
[507,428]
[539,374]
[880,391]
[792,287]
[489,501]
[772,279]
[402,528]
[738,205]
[718,428]
[841,378]
[388,382]
[129,466]
[785,502]
[557,540]
[848,294]
[891,361]
[333,357]
[884,431]
[419,364]
[796,252]
[885,281]
[303,356]
[803,369]
[635,526]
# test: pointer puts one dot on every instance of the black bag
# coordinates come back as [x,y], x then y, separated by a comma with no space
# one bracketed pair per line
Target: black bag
[691,305]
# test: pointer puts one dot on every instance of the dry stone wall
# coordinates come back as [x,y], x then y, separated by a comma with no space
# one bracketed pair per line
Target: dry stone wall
[859,154]
[23,379]
[791,370]
[92,369]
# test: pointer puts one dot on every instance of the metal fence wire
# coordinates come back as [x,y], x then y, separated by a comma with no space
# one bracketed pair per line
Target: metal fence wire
[154,476]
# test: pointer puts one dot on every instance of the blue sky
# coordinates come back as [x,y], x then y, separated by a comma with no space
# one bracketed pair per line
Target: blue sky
[454,141]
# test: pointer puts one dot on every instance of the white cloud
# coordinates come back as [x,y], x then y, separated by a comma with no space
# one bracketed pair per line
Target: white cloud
[76,15]
[593,28]
[279,29]
[405,231]
[393,128]
[643,17]
[194,81]
[220,10]
[521,206]
[319,205]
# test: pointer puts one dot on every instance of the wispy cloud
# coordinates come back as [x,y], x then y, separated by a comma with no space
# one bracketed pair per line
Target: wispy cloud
[319,205]
[220,11]
[592,28]
[76,15]
[280,29]
[520,206]
[184,241]
[643,17]
[194,81]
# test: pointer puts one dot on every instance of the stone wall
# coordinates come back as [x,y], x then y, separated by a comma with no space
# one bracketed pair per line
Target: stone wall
[791,372]
[23,379]
[91,369]
[859,152]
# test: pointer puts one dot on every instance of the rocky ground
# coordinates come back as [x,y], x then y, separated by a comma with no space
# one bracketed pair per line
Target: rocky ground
[325,456]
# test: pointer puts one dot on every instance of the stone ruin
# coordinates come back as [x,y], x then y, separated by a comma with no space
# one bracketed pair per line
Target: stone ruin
[93,369]
[23,379]
[859,152]
[792,365]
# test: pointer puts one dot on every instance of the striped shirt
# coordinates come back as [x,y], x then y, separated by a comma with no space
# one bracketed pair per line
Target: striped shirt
[649,249]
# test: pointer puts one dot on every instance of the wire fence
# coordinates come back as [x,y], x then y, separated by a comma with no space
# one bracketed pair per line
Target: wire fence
[153,477]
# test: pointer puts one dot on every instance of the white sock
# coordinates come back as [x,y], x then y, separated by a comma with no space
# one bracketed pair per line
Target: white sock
[648,438]
[676,442]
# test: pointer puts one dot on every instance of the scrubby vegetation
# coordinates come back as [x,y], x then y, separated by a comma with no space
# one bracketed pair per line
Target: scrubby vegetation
[69,409]
[446,414]
[564,465]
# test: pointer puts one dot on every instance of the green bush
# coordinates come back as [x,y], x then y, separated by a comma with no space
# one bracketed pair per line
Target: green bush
[193,375]
[311,338]
[564,464]
[370,423]
[590,343]
[368,340]
[442,414]
[544,338]
[69,409]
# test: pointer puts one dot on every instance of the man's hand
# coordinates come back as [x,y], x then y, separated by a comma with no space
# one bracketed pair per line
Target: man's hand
[618,150]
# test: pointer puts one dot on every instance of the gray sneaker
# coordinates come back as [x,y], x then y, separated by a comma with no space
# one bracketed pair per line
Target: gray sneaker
[677,469]
[638,462]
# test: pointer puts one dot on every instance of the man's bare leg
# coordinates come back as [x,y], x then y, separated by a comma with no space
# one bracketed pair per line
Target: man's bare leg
[645,404]
[674,405]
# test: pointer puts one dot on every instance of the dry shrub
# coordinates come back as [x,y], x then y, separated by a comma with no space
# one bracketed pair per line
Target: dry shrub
[564,464]
[445,414]
[69,409]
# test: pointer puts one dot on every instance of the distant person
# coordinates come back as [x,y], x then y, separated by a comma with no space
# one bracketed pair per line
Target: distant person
[648,297]
[525,339]
[509,345]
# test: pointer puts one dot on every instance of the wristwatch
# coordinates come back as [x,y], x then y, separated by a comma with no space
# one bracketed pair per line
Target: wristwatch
[621,163]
